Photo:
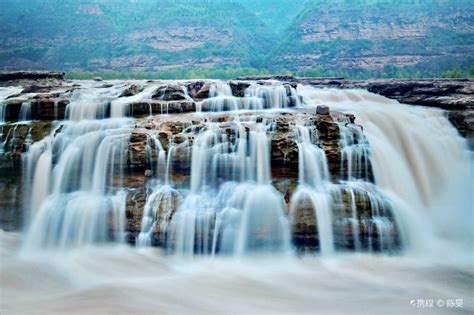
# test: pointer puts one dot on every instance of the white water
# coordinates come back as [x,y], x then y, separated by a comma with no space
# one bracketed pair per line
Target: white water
[418,159]
[91,102]
[243,215]
[123,280]
[256,97]
[72,201]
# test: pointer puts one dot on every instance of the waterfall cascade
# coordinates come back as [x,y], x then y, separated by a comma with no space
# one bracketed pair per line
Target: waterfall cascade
[261,171]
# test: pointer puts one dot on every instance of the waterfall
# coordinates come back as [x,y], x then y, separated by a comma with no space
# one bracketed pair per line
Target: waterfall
[255,97]
[120,107]
[157,213]
[247,213]
[93,103]
[410,149]
[271,96]
[366,175]
[25,111]
[355,152]
[74,197]
[312,162]
[313,177]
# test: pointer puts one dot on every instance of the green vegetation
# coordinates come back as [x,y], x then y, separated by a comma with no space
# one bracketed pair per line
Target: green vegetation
[177,39]
[455,73]
[232,73]
[171,74]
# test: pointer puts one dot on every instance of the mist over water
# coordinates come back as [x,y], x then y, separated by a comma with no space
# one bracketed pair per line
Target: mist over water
[225,237]
[121,279]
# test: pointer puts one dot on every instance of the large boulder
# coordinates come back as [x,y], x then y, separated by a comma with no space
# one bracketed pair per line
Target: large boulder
[170,92]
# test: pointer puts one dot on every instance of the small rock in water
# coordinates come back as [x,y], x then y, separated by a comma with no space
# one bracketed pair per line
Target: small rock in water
[132,90]
[148,173]
[322,110]
[97,79]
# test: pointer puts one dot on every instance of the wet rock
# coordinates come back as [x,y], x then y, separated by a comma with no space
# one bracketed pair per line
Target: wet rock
[34,88]
[463,121]
[199,90]
[304,228]
[238,88]
[16,139]
[133,89]
[11,109]
[322,110]
[49,108]
[135,204]
[169,92]
[137,158]
[30,75]
[98,79]
[148,173]
[284,150]
[11,198]
[329,136]
[139,109]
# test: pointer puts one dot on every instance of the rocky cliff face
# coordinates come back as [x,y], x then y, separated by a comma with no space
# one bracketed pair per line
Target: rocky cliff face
[381,35]
[129,35]
[342,36]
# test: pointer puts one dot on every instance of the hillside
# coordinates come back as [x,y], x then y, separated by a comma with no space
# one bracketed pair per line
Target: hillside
[428,36]
[134,35]
[318,37]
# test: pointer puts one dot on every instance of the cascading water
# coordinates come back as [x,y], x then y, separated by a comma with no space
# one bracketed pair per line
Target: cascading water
[255,97]
[119,107]
[247,213]
[410,148]
[72,201]
[25,111]
[75,173]
[93,103]
[212,189]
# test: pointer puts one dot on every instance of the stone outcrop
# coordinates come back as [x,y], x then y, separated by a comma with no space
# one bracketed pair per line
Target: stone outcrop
[381,36]
[169,92]
[159,107]
[30,75]
[132,90]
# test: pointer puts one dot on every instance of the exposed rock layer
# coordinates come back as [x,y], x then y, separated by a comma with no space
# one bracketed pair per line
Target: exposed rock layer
[30,75]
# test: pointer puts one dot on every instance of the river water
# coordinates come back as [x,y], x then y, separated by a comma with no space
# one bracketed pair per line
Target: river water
[124,280]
